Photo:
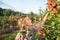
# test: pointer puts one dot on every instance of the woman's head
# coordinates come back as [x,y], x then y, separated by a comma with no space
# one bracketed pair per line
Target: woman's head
[23,22]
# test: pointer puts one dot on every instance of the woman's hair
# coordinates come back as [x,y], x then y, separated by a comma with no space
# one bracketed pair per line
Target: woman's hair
[22,22]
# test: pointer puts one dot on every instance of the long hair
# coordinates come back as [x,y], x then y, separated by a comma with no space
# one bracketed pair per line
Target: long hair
[22,22]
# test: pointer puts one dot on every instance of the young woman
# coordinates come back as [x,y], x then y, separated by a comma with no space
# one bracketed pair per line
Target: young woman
[23,22]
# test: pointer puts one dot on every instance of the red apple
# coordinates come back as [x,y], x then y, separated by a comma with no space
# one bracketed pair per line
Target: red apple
[50,7]
[55,11]
[53,4]
[49,2]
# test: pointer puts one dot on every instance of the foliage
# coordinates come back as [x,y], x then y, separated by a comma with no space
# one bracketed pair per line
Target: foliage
[51,27]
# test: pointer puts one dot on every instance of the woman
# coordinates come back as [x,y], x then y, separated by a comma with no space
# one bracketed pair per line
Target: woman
[23,23]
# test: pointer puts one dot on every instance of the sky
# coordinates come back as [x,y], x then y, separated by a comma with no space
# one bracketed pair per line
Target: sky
[24,5]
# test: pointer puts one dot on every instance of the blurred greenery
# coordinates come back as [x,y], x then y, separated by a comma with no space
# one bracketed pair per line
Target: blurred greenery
[11,36]
[9,18]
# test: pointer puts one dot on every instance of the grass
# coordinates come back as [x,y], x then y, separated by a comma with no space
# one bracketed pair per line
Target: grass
[11,36]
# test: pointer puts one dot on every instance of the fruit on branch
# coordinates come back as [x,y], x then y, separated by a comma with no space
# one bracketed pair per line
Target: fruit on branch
[55,10]
[49,2]
[50,7]
[53,4]
[42,33]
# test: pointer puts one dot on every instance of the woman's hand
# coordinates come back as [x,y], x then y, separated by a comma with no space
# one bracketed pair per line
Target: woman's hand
[19,37]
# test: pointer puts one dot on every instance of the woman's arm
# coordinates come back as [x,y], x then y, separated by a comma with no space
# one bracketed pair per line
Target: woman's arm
[33,29]
[41,23]
[37,26]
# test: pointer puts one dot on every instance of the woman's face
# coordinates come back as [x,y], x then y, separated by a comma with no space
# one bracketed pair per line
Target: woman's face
[28,21]
[25,22]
